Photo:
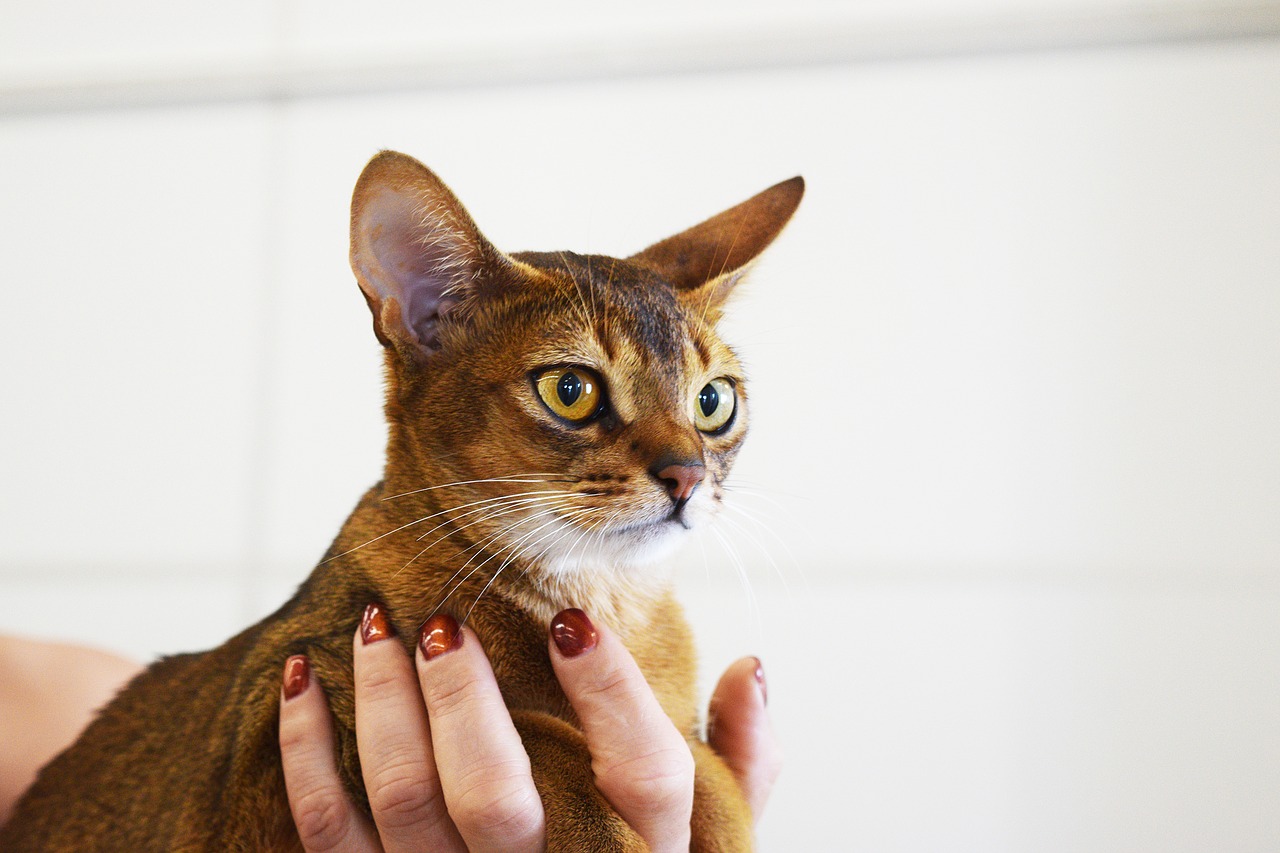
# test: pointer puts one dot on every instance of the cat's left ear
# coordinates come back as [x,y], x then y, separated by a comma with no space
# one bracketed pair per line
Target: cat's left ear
[705,262]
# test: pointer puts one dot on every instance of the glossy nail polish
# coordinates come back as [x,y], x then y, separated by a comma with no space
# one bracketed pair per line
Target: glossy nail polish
[573,632]
[764,689]
[441,634]
[374,625]
[297,675]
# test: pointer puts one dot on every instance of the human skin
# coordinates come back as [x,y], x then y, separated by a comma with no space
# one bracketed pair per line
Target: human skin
[443,764]
[49,692]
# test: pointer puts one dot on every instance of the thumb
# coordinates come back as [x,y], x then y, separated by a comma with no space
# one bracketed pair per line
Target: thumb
[738,728]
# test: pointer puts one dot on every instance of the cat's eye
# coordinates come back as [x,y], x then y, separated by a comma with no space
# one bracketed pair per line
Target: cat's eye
[714,407]
[573,393]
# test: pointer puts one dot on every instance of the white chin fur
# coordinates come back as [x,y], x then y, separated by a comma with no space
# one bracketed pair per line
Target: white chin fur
[625,547]
[624,551]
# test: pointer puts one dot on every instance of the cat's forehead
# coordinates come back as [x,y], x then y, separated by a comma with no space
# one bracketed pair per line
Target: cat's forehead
[625,310]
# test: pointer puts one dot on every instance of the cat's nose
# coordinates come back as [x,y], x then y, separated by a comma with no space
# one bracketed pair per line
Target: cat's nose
[680,478]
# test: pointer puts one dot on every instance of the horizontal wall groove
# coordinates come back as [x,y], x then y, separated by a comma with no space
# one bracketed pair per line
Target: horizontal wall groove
[747,42]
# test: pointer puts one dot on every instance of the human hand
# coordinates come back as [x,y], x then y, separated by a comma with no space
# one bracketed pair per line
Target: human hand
[445,769]
[49,692]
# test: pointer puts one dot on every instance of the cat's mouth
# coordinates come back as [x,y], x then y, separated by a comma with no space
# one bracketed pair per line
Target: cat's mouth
[627,543]
[654,524]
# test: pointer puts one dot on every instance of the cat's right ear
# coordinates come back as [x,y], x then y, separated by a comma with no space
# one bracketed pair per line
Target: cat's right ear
[415,251]
[704,263]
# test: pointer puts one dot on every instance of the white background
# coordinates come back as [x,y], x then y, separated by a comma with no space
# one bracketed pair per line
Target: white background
[1013,484]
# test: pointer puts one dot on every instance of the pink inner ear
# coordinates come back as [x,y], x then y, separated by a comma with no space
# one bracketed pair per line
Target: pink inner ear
[416,253]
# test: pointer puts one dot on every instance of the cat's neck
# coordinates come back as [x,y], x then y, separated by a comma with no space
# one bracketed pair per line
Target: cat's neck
[406,548]
[622,600]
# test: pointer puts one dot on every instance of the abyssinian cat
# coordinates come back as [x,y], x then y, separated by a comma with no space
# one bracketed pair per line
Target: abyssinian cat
[556,422]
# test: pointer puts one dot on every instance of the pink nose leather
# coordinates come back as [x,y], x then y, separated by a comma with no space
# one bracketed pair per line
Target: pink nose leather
[681,480]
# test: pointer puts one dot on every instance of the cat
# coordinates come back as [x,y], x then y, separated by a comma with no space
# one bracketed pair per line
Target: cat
[556,422]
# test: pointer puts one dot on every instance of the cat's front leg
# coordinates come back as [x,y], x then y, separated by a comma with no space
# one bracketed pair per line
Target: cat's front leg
[722,819]
[578,816]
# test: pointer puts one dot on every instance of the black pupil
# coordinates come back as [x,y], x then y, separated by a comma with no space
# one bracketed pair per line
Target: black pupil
[709,400]
[569,389]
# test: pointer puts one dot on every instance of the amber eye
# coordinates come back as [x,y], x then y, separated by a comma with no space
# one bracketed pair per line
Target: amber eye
[715,404]
[570,392]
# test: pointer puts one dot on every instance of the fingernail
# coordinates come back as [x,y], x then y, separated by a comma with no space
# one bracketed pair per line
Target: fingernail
[764,688]
[441,634]
[374,625]
[297,675]
[573,632]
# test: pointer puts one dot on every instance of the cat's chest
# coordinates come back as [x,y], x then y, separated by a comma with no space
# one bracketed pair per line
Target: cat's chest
[648,621]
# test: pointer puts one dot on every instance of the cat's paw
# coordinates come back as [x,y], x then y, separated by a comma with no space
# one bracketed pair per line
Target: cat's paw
[722,820]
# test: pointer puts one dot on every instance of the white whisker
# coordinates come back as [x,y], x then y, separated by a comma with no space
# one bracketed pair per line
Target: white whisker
[549,503]
[501,507]
[753,606]
[760,546]
[510,546]
[515,554]
[437,515]
[480,551]
[513,478]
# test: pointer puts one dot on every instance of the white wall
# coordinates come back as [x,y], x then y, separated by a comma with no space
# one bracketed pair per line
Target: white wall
[1014,474]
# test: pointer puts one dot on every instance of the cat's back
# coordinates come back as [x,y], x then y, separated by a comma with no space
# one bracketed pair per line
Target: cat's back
[166,733]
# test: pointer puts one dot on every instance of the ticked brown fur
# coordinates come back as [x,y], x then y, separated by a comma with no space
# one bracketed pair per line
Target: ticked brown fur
[491,508]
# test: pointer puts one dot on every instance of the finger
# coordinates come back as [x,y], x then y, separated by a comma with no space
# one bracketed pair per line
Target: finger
[484,770]
[323,813]
[739,729]
[396,759]
[642,764]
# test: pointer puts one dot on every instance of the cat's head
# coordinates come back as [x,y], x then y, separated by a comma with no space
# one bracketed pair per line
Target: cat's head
[552,409]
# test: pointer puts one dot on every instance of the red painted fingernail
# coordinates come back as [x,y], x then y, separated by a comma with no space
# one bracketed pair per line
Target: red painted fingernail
[573,632]
[441,634]
[297,675]
[374,625]
[764,688]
